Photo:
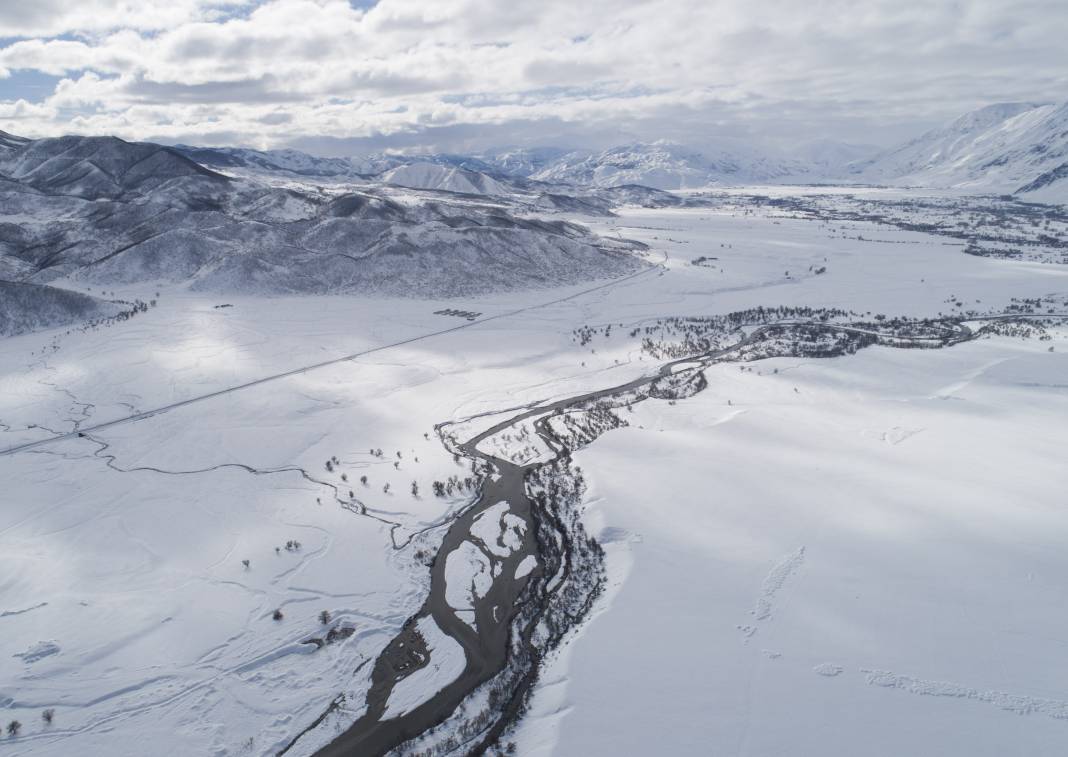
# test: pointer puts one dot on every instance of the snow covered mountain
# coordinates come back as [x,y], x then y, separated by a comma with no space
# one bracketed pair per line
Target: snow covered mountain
[97,168]
[425,175]
[1007,148]
[10,142]
[101,210]
[523,162]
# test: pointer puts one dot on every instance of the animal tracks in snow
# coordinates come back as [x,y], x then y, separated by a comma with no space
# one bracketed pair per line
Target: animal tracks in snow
[1018,703]
[898,434]
[770,587]
[774,582]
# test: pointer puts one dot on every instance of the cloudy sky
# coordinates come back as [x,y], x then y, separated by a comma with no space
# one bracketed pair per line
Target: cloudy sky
[352,76]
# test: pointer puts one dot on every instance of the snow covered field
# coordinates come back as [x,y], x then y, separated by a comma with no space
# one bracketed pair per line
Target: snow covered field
[869,565]
[898,513]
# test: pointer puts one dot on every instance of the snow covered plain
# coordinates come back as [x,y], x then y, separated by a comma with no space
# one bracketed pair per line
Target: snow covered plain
[899,518]
[897,514]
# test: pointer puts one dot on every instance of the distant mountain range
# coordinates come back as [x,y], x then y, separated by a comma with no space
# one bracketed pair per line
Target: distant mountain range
[1009,148]
[659,165]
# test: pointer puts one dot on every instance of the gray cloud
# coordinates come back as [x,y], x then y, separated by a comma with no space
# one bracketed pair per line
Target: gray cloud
[264,89]
[565,72]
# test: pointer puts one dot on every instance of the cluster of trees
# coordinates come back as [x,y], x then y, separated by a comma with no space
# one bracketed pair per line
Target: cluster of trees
[1020,329]
[1034,305]
[675,338]
[577,428]
[14,727]
[519,447]
[682,337]
[791,340]
[453,485]
[558,491]
[585,334]
[678,386]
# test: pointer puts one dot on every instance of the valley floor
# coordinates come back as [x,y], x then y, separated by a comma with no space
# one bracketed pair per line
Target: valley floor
[855,555]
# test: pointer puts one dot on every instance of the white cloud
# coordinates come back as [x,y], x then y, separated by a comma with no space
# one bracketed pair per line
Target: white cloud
[283,69]
[46,18]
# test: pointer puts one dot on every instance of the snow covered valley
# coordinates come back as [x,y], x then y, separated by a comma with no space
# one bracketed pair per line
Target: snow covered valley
[810,539]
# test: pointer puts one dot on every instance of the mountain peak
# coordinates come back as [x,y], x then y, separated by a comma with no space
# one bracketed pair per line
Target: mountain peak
[991,115]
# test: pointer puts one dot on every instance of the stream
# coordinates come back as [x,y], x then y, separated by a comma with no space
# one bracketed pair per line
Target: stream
[500,624]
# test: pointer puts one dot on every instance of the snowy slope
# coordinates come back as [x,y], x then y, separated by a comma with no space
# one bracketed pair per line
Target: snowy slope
[1050,187]
[95,168]
[10,142]
[1000,148]
[28,307]
[902,609]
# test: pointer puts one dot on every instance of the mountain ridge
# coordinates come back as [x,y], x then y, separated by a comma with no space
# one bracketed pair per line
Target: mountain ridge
[1005,148]
[107,211]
